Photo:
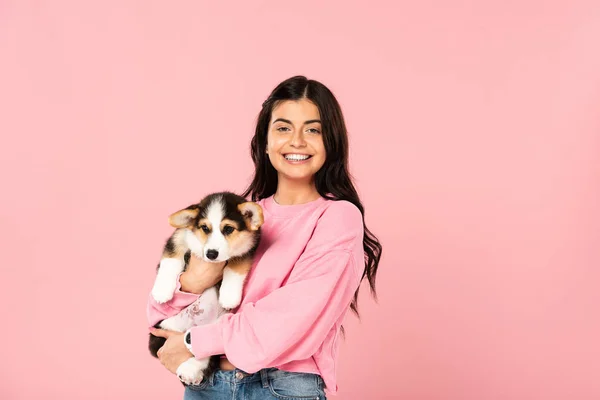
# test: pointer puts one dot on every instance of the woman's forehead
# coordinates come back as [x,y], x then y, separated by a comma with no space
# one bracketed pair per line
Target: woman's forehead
[296,111]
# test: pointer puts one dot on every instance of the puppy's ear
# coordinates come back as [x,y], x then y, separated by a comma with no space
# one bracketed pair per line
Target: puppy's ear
[253,215]
[183,218]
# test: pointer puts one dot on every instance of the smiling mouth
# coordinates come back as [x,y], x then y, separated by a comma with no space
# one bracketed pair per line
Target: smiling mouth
[296,157]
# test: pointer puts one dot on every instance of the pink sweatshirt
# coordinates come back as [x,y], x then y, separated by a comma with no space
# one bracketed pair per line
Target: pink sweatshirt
[306,270]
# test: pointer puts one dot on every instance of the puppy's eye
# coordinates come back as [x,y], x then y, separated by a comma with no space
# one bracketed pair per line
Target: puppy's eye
[204,228]
[227,230]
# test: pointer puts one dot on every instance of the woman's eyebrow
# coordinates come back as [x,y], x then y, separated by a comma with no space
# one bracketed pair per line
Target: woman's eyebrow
[310,121]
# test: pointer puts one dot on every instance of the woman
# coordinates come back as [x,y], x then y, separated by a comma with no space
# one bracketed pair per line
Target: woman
[282,341]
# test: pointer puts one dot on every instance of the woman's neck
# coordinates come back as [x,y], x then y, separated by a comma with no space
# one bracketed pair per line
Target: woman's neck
[291,193]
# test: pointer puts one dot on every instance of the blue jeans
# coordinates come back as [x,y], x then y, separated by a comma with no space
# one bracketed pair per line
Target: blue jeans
[268,383]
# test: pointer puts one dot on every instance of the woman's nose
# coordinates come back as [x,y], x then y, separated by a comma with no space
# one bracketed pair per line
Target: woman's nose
[298,140]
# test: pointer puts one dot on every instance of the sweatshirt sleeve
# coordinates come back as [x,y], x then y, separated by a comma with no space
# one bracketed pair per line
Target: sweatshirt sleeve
[291,322]
[157,312]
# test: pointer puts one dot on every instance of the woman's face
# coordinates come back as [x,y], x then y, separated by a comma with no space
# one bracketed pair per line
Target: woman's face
[294,140]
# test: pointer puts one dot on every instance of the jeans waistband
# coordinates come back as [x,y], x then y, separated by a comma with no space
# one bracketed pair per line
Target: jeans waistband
[239,376]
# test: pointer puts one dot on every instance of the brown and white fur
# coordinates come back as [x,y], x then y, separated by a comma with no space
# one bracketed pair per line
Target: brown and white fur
[223,227]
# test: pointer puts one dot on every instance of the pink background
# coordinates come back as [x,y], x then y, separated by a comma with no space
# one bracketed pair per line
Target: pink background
[475,133]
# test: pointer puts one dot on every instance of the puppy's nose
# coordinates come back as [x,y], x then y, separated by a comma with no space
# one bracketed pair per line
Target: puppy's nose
[212,254]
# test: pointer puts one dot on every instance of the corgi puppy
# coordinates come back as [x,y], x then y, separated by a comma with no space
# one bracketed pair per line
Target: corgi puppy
[222,227]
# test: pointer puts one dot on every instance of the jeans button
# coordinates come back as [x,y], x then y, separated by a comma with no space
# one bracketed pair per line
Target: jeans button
[239,375]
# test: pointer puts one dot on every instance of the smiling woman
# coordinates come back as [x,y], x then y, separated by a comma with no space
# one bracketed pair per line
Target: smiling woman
[282,341]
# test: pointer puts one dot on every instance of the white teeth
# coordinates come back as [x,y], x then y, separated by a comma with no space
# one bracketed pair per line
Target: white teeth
[296,157]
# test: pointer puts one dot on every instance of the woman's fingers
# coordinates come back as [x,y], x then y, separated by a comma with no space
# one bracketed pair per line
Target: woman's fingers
[162,333]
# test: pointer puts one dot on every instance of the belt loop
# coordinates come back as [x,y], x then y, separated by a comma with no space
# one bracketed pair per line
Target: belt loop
[264,378]
[320,381]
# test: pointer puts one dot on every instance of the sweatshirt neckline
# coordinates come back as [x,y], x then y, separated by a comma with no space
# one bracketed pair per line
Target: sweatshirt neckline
[279,210]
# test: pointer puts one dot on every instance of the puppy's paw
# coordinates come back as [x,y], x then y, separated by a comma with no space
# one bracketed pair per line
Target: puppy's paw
[163,291]
[229,299]
[190,372]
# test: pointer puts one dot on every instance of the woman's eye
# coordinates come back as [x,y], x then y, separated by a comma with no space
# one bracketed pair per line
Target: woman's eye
[314,130]
[228,230]
[283,129]
[205,229]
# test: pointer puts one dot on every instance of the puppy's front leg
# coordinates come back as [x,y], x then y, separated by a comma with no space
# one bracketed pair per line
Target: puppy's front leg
[171,265]
[232,286]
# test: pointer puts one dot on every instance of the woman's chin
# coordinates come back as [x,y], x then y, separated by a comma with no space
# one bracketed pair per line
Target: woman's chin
[297,176]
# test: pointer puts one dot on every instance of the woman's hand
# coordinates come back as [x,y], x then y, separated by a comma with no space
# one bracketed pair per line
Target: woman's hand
[173,353]
[200,275]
